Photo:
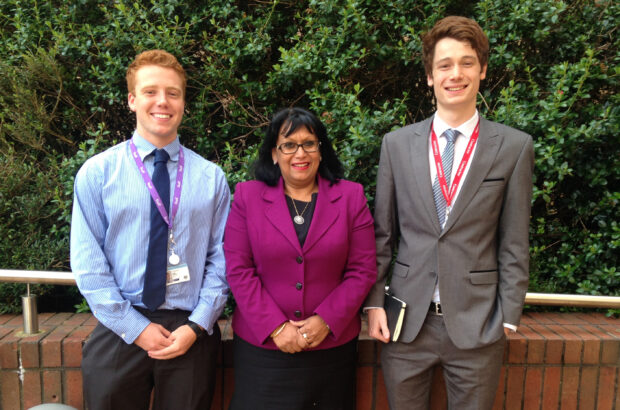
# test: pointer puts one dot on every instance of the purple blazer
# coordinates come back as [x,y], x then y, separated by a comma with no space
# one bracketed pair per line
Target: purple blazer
[274,279]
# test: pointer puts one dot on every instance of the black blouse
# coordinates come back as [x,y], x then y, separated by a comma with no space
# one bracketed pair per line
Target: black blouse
[306,210]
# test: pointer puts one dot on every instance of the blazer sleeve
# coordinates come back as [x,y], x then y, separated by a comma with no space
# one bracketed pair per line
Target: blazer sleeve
[513,230]
[256,303]
[342,305]
[386,225]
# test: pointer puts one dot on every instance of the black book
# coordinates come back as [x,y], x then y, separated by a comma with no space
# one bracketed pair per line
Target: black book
[395,311]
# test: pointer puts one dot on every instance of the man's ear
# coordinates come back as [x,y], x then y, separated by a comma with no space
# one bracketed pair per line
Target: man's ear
[131,101]
[483,72]
[429,80]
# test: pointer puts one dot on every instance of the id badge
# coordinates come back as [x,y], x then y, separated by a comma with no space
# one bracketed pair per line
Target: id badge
[177,274]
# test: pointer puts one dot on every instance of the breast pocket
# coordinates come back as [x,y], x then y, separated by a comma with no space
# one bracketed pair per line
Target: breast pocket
[492,182]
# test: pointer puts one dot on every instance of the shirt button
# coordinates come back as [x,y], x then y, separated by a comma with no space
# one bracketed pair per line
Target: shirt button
[298,286]
[123,335]
[297,313]
[299,259]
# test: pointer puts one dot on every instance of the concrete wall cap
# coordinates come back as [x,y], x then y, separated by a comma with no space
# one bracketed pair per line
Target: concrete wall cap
[52,406]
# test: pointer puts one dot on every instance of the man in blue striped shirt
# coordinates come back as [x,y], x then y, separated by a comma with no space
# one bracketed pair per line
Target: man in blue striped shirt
[167,343]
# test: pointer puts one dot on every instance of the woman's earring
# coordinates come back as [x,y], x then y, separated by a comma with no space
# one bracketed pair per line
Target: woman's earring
[275,161]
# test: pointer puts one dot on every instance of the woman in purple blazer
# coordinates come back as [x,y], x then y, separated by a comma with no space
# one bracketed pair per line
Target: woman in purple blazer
[300,259]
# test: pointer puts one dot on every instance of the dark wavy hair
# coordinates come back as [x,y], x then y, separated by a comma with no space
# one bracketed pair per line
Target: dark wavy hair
[265,170]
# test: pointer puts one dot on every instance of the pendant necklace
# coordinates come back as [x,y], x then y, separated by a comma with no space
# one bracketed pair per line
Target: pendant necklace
[299,219]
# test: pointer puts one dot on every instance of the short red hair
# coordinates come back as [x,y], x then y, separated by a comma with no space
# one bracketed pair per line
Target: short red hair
[154,57]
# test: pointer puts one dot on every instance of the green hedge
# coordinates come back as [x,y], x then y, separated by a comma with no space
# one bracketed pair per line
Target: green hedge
[553,72]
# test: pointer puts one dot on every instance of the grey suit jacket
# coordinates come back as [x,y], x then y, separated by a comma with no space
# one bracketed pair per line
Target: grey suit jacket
[481,258]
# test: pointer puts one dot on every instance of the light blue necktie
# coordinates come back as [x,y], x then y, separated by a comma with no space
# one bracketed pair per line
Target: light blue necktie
[447,157]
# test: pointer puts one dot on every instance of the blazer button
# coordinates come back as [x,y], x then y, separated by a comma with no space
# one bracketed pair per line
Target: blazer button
[298,286]
[299,259]
[297,313]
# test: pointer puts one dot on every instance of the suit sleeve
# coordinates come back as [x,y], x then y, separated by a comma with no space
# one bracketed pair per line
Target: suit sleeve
[342,305]
[513,231]
[251,296]
[386,225]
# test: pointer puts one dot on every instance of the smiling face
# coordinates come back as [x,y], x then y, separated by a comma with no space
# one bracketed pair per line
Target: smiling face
[299,169]
[158,102]
[456,75]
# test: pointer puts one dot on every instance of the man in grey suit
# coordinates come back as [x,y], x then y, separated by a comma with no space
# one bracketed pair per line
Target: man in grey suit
[453,194]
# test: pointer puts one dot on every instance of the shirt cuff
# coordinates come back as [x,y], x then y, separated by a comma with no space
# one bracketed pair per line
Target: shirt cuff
[511,327]
[207,316]
[129,327]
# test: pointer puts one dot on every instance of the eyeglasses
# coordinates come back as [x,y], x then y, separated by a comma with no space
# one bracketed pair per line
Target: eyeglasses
[289,148]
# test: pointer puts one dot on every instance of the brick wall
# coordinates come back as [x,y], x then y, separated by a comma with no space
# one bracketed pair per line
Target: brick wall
[555,361]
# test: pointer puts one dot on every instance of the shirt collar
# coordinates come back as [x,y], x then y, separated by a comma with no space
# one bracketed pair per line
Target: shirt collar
[145,148]
[466,128]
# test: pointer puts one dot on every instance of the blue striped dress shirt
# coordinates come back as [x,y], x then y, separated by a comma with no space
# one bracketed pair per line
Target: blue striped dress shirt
[110,235]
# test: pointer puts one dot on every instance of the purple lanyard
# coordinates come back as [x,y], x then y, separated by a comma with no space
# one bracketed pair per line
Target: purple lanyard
[153,191]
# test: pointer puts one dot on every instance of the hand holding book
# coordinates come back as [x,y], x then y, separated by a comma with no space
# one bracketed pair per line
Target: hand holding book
[395,312]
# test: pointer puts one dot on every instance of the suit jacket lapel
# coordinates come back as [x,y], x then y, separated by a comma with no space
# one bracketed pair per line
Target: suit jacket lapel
[419,161]
[325,213]
[484,157]
[276,212]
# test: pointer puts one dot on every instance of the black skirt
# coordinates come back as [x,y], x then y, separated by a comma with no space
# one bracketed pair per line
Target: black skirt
[272,380]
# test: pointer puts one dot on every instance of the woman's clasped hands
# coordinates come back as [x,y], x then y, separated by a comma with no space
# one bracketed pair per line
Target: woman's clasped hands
[295,336]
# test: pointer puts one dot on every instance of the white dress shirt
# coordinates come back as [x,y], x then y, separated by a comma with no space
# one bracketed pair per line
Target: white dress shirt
[465,131]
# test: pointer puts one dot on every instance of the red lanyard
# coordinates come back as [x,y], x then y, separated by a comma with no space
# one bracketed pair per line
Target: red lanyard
[449,195]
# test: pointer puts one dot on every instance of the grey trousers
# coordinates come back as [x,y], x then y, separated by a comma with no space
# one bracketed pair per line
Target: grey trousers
[471,376]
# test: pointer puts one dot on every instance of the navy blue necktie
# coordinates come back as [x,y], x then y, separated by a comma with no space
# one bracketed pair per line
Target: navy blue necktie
[154,293]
